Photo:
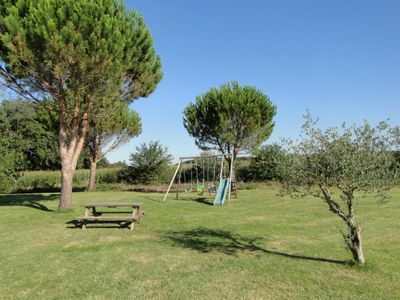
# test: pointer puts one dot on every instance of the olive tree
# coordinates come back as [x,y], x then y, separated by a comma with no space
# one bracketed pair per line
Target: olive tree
[338,165]
[230,119]
[77,53]
[108,132]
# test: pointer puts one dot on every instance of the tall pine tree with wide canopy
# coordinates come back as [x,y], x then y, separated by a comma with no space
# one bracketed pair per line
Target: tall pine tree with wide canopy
[230,119]
[78,53]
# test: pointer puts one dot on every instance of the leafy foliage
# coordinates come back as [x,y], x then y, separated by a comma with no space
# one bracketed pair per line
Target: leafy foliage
[118,127]
[8,165]
[31,132]
[230,118]
[66,47]
[147,164]
[358,158]
[264,165]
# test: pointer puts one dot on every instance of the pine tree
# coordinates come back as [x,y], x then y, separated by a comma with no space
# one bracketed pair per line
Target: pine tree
[109,132]
[230,119]
[77,53]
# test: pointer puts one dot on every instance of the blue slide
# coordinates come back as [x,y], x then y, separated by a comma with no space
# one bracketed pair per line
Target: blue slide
[222,191]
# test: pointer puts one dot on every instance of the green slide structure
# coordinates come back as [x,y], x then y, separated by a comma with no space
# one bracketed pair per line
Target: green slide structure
[222,191]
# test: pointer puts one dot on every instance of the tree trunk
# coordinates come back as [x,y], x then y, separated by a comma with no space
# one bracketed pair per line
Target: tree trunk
[92,175]
[66,188]
[353,237]
[69,155]
[354,244]
[233,183]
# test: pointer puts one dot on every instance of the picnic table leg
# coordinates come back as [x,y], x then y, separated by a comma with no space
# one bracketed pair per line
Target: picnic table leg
[136,214]
[83,225]
[87,211]
[132,225]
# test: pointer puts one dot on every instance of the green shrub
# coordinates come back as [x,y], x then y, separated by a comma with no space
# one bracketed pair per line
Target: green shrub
[149,164]
[264,166]
[109,176]
[243,173]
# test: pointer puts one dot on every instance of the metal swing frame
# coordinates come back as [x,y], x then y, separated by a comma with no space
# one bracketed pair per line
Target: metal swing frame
[185,158]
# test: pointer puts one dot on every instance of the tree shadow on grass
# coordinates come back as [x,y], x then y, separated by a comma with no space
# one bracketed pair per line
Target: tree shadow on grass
[28,200]
[47,189]
[150,198]
[207,240]
[200,200]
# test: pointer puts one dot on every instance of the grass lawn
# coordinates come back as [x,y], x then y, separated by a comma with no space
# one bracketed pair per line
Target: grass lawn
[258,247]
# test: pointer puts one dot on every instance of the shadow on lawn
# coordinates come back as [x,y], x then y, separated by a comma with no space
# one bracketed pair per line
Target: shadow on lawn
[203,200]
[207,240]
[200,200]
[28,200]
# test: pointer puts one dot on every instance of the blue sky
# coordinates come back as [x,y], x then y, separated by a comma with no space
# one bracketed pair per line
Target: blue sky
[339,59]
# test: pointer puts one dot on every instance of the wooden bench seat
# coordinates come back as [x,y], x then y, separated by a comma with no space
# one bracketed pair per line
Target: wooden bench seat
[128,219]
[106,218]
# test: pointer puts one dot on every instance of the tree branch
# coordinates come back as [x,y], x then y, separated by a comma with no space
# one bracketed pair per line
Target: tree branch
[333,205]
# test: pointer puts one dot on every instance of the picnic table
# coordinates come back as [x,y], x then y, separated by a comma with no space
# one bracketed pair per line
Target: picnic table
[92,213]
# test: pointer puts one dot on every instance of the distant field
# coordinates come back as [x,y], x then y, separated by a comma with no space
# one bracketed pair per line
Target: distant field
[51,180]
[257,247]
[106,180]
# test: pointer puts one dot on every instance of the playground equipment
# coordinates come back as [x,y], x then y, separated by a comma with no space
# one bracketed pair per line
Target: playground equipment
[198,174]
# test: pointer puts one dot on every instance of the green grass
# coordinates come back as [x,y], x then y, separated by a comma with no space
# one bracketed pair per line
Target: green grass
[258,247]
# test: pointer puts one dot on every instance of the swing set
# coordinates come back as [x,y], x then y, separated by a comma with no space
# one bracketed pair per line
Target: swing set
[198,175]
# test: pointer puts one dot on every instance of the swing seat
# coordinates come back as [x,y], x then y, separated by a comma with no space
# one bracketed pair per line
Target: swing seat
[212,190]
[200,189]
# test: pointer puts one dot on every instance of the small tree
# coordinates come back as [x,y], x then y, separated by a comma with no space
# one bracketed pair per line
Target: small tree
[77,54]
[355,159]
[230,119]
[147,164]
[108,133]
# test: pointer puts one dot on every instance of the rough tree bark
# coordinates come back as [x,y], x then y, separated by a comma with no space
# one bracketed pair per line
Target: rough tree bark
[353,242]
[66,188]
[92,175]
[233,160]
[353,239]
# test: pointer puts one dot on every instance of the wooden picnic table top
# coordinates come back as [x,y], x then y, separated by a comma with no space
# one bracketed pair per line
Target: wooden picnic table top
[113,204]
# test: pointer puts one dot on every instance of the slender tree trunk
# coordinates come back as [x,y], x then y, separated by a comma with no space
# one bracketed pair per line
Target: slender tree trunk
[92,175]
[233,183]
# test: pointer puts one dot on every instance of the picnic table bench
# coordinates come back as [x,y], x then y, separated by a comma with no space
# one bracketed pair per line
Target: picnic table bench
[91,213]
